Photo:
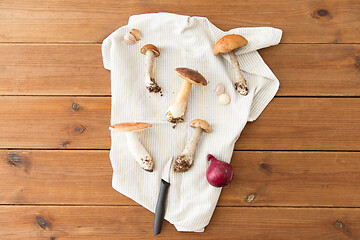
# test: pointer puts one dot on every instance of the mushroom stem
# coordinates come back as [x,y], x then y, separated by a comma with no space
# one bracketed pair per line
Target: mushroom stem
[150,83]
[240,84]
[177,109]
[193,142]
[139,152]
[185,160]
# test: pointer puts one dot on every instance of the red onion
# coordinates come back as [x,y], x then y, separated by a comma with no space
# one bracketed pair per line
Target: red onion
[219,173]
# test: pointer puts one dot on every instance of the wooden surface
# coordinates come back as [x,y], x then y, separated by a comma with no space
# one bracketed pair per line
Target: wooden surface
[303,21]
[297,167]
[304,69]
[97,222]
[316,179]
[49,122]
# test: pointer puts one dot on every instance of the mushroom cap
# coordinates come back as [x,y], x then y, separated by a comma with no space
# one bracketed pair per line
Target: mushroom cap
[151,47]
[191,76]
[199,123]
[136,33]
[127,127]
[228,43]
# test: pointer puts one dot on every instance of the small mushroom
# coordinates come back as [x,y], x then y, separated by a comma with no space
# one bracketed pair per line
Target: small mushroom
[151,52]
[185,160]
[136,33]
[132,37]
[177,109]
[228,44]
[136,148]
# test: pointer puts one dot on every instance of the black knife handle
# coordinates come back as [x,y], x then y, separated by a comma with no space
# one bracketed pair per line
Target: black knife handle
[160,207]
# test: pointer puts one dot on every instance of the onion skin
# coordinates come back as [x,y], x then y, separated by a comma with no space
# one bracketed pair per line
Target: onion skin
[219,173]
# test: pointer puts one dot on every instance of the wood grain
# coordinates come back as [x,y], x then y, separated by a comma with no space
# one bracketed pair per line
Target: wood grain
[294,179]
[58,222]
[315,70]
[44,177]
[305,124]
[91,21]
[286,124]
[76,69]
[275,179]
[54,122]
[69,69]
[51,50]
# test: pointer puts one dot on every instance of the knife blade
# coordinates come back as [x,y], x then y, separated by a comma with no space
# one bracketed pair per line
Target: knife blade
[161,202]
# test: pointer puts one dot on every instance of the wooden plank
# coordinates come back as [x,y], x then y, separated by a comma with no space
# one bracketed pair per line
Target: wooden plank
[275,179]
[91,21]
[305,124]
[58,222]
[69,69]
[44,177]
[294,179]
[76,69]
[315,70]
[286,124]
[55,122]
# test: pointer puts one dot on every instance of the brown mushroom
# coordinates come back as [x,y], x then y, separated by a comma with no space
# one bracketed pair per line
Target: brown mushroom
[132,37]
[136,148]
[185,160]
[151,52]
[228,44]
[177,109]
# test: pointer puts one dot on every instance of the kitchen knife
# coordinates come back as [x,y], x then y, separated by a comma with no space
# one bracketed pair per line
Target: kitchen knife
[161,202]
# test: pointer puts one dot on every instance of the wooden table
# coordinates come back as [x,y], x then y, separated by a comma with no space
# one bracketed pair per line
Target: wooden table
[297,168]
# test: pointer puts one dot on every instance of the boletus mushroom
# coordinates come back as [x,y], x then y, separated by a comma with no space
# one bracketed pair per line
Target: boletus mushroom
[228,44]
[186,158]
[177,109]
[136,148]
[150,51]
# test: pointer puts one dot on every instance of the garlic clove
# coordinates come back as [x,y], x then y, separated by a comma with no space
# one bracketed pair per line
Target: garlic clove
[224,99]
[129,38]
[219,89]
[136,33]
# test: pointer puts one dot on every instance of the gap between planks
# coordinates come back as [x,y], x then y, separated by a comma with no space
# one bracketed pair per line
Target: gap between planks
[99,43]
[235,150]
[109,96]
[138,205]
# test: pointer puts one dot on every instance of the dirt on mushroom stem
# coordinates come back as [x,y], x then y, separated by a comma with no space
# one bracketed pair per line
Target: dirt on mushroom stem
[174,120]
[141,155]
[177,109]
[154,87]
[186,158]
[182,163]
[240,84]
[150,82]
[243,90]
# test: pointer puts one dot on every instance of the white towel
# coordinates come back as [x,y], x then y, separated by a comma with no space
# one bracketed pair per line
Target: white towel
[183,41]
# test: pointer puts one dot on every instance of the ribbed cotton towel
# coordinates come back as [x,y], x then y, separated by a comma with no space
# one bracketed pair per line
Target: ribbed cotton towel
[183,41]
